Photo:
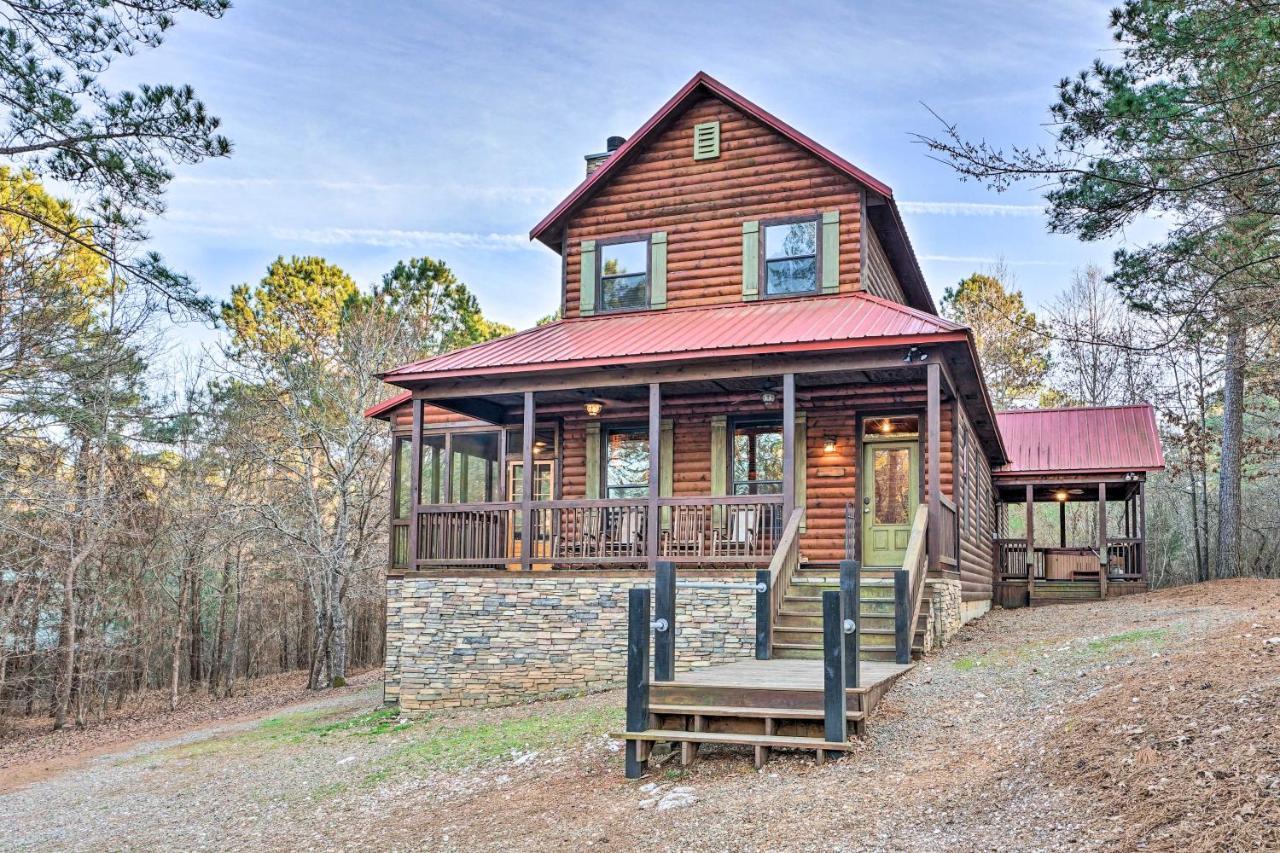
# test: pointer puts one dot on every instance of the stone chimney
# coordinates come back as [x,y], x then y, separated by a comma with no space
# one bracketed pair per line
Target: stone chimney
[594,161]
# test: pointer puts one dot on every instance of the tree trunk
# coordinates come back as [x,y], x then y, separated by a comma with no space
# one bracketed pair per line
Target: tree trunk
[175,669]
[1229,497]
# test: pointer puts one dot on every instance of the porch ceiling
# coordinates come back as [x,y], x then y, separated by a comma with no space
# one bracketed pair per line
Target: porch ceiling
[1079,490]
[507,405]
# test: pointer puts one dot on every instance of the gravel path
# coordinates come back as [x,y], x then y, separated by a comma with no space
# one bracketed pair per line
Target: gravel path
[952,763]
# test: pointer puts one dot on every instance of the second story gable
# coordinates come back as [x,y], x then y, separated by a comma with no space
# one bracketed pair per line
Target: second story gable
[715,201]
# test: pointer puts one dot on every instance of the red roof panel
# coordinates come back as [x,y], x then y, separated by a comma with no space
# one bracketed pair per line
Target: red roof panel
[747,328]
[1050,441]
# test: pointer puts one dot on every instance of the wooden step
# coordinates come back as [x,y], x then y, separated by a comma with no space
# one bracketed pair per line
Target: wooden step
[754,713]
[772,741]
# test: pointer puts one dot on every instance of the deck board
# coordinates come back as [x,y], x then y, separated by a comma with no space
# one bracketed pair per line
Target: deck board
[785,673]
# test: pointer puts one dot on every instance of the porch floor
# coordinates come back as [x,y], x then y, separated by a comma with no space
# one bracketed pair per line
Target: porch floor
[783,673]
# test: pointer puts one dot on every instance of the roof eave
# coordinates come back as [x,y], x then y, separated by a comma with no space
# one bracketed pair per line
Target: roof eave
[404,380]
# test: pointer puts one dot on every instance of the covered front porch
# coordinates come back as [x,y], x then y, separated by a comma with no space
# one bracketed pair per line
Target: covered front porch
[752,465]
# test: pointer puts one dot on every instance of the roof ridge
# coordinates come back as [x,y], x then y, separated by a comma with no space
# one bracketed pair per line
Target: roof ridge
[913,312]
[1076,409]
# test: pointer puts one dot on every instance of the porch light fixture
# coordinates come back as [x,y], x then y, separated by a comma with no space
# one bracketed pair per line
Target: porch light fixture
[886,426]
[1060,496]
[768,396]
[593,408]
[829,444]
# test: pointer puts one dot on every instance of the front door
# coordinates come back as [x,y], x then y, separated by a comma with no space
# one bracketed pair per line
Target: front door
[543,478]
[890,495]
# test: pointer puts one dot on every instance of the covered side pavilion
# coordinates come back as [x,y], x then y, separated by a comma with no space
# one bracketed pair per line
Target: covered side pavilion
[1099,455]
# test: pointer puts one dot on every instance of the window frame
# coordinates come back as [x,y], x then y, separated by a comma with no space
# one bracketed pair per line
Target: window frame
[647,239]
[762,288]
[606,430]
[731,434]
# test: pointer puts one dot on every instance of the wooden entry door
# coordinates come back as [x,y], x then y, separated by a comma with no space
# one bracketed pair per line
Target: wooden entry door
[543,483]
[890,496]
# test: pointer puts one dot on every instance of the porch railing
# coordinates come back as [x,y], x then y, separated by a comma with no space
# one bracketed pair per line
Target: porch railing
[738,530]
[1011,559]
[1124,558]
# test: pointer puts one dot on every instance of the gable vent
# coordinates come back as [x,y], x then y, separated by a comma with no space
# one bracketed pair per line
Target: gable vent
[706,140]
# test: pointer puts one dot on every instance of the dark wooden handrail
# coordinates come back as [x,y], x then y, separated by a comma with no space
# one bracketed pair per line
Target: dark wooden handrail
[783,565]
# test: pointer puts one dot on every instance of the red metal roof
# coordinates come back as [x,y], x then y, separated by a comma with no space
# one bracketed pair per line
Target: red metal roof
[747,328]
[377,410]
[1082,440]
[700,81]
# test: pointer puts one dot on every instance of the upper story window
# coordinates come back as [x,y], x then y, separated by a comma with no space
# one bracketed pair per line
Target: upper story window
[790,264]
[624,275]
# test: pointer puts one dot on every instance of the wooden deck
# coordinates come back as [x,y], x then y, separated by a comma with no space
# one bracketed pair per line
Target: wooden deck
[763,704]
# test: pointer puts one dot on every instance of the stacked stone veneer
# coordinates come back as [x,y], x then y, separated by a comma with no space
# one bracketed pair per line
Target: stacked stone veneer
[491,639]
[945,612]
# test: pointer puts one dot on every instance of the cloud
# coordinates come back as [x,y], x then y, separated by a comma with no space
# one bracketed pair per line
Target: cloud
[463,192]
[969,208]
[974,259]
[385,237]
[332,236]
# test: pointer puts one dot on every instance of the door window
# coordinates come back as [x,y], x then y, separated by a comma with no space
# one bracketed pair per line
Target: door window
[892,486]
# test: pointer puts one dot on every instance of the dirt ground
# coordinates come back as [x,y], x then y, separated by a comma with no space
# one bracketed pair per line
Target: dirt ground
[1149,722]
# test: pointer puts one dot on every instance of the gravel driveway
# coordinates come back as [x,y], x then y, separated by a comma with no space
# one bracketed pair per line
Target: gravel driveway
[953,761]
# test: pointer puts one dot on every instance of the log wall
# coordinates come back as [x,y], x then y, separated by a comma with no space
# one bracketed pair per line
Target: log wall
[701,205]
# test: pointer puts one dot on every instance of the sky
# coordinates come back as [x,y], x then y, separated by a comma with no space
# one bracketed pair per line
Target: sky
[370,132]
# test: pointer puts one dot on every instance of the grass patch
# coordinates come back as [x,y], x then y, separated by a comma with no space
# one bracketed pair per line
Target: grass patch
[966,664]
[1139,635]
[449,748]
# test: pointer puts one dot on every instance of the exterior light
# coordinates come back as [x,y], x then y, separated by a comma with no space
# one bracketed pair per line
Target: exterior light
[768,397]
[886,426]
[829,444]
[593,408]
[1060,495]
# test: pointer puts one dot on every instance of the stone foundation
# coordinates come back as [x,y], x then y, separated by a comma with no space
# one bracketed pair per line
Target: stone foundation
[490,639]
[945,611]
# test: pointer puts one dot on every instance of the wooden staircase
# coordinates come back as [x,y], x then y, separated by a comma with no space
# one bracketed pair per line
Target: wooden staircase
[790,696]
[797,631]
[767,705]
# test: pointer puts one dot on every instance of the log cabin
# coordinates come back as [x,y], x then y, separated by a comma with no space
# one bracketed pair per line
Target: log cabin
[750,439]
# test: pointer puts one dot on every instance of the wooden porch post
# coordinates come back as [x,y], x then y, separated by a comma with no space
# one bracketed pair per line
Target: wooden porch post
[1062,524]
[1102,540]
[788,445]
[933,448]
[655,473]
[1031,541]
[526,484]
[415,483]
[1142,529]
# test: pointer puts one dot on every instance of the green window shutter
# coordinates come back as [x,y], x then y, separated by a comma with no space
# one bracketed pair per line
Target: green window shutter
[591,450]
[666,467]
[587,280]
[831,251]
[719,464]
[802,462]
[658,270]
[750,261]
[706,140]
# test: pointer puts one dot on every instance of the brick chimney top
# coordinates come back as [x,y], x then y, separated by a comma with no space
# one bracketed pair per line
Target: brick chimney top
[612,144]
